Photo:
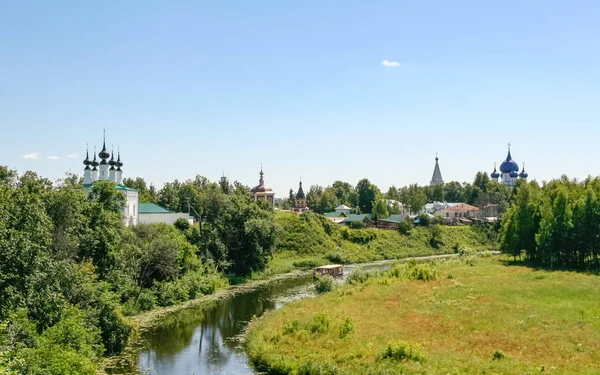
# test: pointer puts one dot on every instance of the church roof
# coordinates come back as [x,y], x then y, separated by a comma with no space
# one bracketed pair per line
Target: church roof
[300,193]
[436,178]
[509,165]
[261,187]
[151,208]
[117,186]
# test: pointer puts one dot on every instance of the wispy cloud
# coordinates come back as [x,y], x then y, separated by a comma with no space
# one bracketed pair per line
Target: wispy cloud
[33,155]
[71,156]
[52,157]
[390,63]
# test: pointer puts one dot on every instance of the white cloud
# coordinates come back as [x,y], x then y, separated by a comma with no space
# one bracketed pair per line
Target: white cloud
[33,155]
[71,156]
[52,157]
[390,63]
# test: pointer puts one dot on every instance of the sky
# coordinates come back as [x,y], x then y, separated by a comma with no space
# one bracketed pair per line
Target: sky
[318,90]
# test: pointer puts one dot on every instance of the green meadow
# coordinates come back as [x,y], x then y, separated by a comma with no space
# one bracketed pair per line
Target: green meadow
[479,315]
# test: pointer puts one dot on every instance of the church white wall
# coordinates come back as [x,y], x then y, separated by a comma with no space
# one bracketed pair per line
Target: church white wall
[167,218]
[130,211]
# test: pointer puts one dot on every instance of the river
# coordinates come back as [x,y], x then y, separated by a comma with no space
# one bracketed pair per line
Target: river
[209,340]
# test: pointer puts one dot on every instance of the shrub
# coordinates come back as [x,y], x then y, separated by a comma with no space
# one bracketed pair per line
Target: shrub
[405,227]
[424,220]
[346,328]
[425,272]
[359,276]
[291,327]
[169,293]
[363,236]
[146,300]
[307,263]
[337,257]
[182,224]
[498,355]
[357,224]
[324,284]
[402,351]
[320,323]
[436,233]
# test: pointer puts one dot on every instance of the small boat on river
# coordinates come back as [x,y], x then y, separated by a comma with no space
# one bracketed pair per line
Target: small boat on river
[330,269]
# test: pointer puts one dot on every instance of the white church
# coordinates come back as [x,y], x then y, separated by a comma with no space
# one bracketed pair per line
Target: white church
[133,213]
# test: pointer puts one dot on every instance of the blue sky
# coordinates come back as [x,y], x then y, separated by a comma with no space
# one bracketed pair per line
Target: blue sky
[198,87]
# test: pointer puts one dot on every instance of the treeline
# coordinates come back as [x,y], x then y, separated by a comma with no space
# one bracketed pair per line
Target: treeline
[556,225]
[365,196]
[70,269]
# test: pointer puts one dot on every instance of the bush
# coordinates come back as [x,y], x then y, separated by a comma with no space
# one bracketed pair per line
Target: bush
[320,323]
[402,351]
[346,328]
[169,293]
[362,236]
[308,263]
[292,327]
[436,233]
[413,271]
[424,220]
[324,284]
[405,227]
[357,224]
[182,224]
[146,300]
[424,271]
[359,276]
[498,355]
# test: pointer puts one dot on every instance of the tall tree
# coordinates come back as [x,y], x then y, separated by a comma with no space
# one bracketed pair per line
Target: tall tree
[367,194]
[414,198]
[381,210]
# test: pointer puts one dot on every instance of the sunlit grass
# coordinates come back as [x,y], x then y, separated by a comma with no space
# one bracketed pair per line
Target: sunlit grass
[486,318]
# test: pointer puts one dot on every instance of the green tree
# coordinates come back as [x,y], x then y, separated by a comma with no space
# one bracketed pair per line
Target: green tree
[147,194]
[414,198]
[381,210]
[454,192]
[367,194]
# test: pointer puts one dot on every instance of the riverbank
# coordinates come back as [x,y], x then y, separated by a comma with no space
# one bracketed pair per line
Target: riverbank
[479,315]
[309,240]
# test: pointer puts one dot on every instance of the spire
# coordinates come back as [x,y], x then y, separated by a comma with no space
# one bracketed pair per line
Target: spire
[104,154]
[112,161]
[523,174]
[87,161]
[436,178]
[94,163]
[508,157]
[494,175]
[119,163]
[300,193]
[261,180]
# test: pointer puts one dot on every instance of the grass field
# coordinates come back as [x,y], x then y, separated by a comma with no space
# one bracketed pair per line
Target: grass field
[491,318]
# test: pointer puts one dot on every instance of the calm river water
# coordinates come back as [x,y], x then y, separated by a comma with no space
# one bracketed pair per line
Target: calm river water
[209,340]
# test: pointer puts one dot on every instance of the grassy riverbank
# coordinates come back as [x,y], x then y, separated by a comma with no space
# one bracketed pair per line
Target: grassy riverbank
[309,240]
[488,318]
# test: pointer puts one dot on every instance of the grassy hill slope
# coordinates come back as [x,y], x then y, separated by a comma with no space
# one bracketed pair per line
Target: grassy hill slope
[309,239]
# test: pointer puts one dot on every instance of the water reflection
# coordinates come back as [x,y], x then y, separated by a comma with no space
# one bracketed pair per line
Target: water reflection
[209,341]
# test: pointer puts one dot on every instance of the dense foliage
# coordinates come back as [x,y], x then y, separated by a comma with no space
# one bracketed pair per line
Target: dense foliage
[364,197]
[556,225]
[70,268]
